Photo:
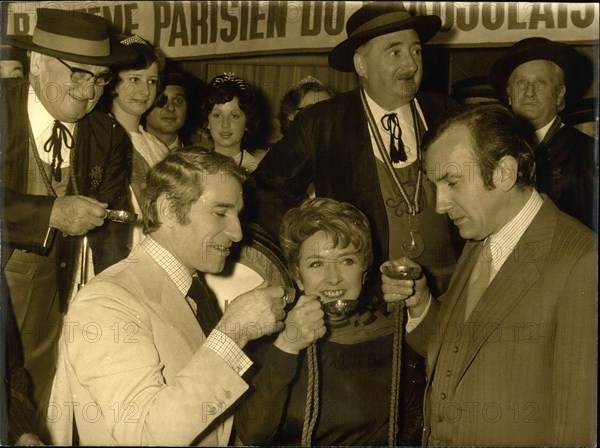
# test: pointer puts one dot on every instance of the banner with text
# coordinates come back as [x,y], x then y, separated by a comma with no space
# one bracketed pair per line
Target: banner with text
[194,29]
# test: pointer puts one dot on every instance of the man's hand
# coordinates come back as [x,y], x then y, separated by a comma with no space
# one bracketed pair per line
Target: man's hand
[254,314]
[75,215]
[413,294]
[303,325]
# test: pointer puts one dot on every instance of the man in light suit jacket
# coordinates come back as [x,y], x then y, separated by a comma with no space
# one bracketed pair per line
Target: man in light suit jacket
[135,366]
[511,346]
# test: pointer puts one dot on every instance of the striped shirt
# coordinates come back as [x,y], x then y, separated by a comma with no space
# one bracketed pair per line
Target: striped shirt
[217,341]
[503,242]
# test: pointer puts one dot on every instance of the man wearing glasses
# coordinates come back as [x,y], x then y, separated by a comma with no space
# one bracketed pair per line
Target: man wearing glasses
[63,165]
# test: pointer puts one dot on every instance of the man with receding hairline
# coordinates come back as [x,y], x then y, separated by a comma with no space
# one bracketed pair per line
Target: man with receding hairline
[511,347]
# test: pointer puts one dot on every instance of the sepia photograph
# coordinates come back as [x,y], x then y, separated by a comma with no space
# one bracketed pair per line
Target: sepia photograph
[299,223]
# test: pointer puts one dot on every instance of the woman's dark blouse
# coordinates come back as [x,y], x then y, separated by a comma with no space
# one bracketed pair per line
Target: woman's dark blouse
[354,387]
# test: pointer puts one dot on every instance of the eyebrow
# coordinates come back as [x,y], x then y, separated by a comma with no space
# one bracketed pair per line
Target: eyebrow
[400,42]
[338,253]
[227,205]
[447,176]
[223,205]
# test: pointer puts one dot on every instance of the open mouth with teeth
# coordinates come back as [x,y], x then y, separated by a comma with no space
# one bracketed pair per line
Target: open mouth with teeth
[220,248]
[330,294]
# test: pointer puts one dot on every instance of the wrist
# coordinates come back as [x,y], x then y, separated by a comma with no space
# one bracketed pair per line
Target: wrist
[284,345]
[417,310]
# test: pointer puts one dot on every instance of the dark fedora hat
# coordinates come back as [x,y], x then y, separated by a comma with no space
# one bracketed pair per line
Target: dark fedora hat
[376,19]
[10,53]
[576,67]
[74,36]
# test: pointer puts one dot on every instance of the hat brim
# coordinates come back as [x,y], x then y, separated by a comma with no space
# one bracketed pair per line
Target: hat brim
[119,54]
[342,56]
[575,66]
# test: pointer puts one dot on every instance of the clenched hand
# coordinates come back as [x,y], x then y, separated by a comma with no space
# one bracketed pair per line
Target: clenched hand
[75,215]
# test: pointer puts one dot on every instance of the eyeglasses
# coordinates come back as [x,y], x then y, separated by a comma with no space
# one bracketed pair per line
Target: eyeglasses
[81,76]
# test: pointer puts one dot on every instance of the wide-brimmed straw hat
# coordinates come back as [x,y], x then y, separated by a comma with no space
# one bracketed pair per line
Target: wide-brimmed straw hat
[376,19]
[74,36]
[576,67]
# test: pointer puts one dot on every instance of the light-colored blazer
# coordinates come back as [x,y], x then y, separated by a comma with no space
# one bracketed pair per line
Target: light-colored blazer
[526,372]
[132,366]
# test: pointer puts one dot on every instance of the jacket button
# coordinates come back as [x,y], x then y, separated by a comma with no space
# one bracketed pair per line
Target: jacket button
[439,419]
[448,373]
[443,396]
[63,264]
[455,349]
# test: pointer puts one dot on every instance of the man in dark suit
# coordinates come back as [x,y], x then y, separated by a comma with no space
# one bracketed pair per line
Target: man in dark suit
[363,147]
[537,77]
[511,347]
[62,166]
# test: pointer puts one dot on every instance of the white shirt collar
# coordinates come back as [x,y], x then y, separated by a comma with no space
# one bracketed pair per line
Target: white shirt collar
[503,242]
[541,133]
[41,126]
[406,124]
[176,271]
[175,144]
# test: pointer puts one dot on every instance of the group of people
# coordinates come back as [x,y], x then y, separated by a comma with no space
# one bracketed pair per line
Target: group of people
[494,205]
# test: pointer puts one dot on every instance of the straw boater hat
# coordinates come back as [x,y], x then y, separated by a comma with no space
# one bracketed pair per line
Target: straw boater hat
[74,36]
[376,19]
[576,67]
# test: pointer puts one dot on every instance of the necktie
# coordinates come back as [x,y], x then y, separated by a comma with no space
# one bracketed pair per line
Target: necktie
[391,124]
[54,145]
[208,311]
[480,278]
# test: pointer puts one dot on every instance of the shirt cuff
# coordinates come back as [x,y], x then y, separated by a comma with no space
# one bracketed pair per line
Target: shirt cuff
[231,353]
[412,322]
[48,239]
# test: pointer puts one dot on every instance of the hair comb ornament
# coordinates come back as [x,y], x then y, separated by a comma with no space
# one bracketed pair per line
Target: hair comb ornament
[133,40]
[309,80]
[230,77]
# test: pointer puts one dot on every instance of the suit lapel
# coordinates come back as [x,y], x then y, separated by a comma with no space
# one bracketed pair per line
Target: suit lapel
[518,274]
[165,299]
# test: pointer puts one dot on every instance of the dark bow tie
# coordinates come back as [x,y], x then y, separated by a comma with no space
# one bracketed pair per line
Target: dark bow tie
[60,134]
[392,125]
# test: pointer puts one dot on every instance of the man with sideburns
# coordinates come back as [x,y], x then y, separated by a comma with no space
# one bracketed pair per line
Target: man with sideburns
[145,350]
[511,348]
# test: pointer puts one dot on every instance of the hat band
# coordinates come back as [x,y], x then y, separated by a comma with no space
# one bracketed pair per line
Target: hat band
[74,45]
[382,20]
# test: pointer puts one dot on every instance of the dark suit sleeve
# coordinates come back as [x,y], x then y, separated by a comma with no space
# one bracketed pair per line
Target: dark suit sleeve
[284,175]
[109,242]
[260,412]
[26,219]
[20,412]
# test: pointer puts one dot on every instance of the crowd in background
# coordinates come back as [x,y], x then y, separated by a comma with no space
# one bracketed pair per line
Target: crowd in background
[155,128]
